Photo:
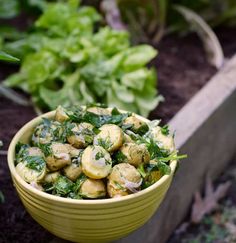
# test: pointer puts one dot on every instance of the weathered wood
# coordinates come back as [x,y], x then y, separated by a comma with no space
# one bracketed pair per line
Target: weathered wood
[206,131]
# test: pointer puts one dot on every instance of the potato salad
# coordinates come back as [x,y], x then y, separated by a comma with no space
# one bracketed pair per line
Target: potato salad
[94,152]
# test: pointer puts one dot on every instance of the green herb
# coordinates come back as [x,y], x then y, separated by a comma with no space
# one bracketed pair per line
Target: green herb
[99,155]
[79,183]
[142,129]
[63,186]
[35,163]
[105,143]
[172,156]
[46,148]
[67,59]
[165,130]
[48,187]
[141,171]
[119,157]
[119,186]
[78,115]
[161,166]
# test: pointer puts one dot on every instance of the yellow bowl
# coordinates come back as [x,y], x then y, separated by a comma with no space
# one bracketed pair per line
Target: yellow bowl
[101,220]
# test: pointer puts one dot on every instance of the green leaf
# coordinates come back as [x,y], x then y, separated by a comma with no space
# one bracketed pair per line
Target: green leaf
[6,57]
[53,98]
[138,56]
[136,79]
[122,92]
[9,9]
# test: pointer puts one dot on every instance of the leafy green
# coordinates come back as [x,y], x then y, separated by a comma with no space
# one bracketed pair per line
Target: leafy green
[9,9]
[78,115]
[35,163]
[63,186]
[165,130]
[6,57]
[68,59]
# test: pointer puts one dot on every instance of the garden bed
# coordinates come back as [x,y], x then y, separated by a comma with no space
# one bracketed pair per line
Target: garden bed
[182,71]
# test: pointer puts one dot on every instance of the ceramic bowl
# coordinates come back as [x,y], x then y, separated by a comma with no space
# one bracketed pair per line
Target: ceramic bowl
[101,220]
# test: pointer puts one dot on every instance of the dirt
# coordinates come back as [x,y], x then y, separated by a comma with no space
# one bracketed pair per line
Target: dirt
[182,71]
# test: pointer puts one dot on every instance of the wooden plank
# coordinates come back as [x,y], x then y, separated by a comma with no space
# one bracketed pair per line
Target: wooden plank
[206,131]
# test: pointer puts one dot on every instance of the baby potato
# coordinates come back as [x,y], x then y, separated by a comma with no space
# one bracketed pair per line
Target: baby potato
[154,175]
[73,171]
[82,135]
[92,189]
[163,141]
[35,151]
[110,137]
[123,180]
[51,177]
[99,111]
[45,132]
[96,162]
[127,139]
[61,115]
[73,152]
[138,126]
[59,157]
[135,154]
[30,175]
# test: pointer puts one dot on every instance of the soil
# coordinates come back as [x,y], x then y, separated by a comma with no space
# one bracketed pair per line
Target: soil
[182,71]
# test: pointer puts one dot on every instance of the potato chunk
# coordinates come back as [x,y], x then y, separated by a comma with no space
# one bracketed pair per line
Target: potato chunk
[61,115]
[31,164]
[135,154]
[74,170]
[96,162]
[138,126]
[28,174]
[99,110]
[51,177]
[163,141]
[110,137]
[82,135]
[92,189]
[123,180]
[59,157]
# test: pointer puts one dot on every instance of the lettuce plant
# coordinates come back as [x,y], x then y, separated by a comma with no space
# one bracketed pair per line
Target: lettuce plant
[68,58]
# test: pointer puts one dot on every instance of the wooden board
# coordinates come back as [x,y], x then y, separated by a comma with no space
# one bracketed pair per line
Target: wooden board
[206,131]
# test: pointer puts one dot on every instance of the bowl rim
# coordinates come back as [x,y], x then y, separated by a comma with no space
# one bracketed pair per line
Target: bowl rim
[47,196]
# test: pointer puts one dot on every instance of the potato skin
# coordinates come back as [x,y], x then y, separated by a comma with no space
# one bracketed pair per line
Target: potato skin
[73,171]
[135,154]
[93,189]
[136,123]
[78,140]
[93,166]
[60,115]
[51,177]
[59,158]
[30,175]
[110,137]
[99,110]
[164,141]
[118,180]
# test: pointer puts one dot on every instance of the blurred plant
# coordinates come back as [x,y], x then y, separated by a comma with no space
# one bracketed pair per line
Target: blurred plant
[144,19]
[12,8]
[64,61]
